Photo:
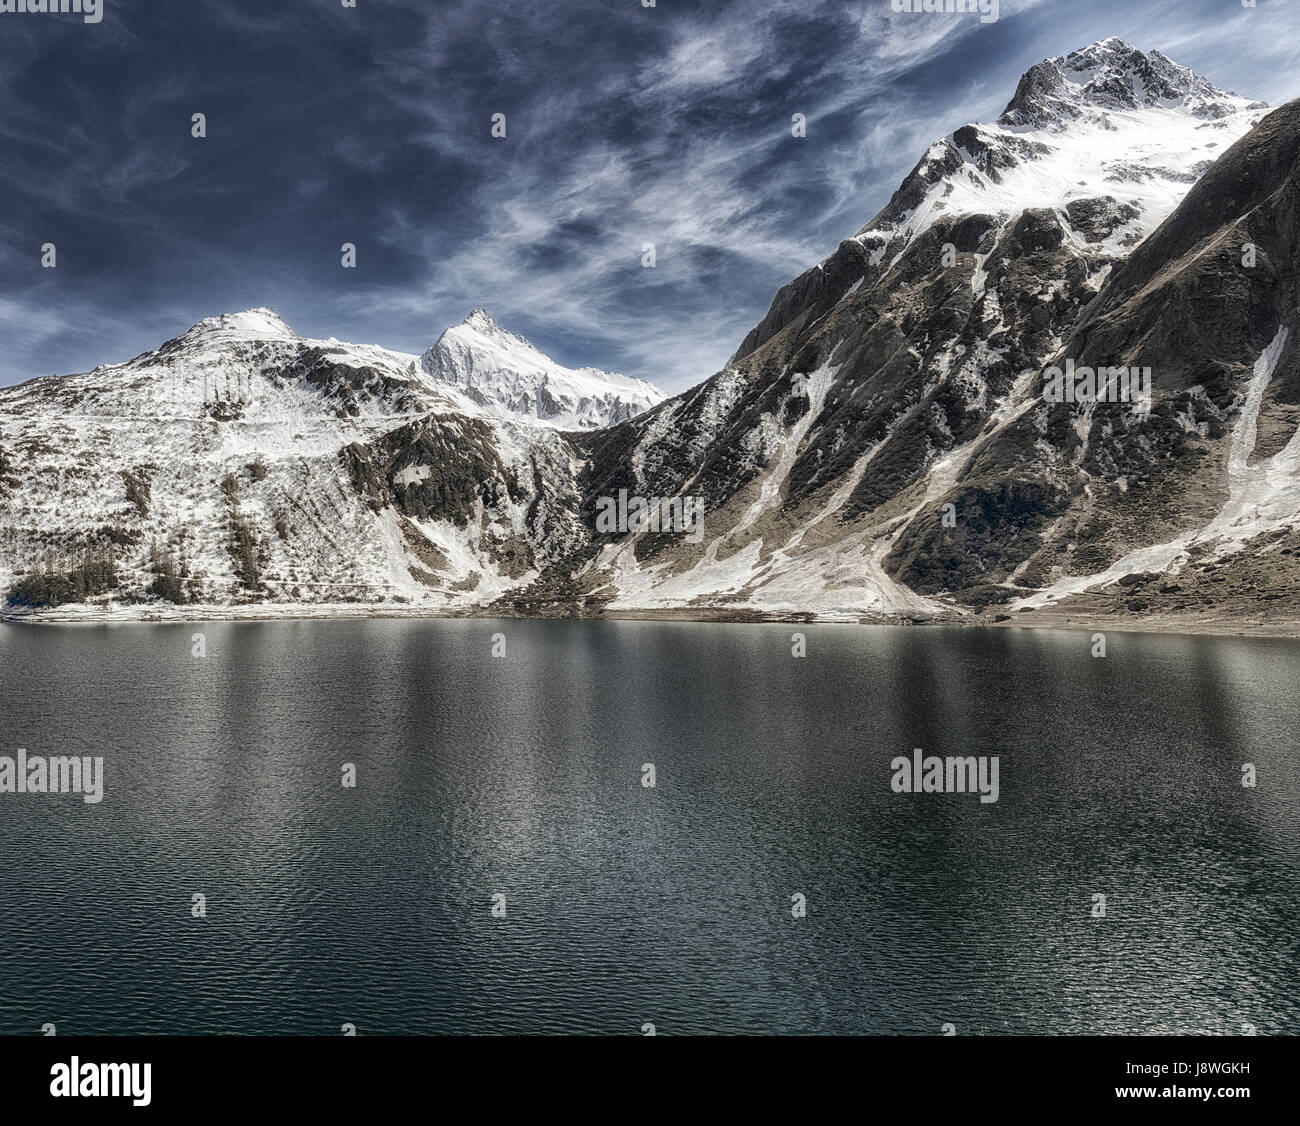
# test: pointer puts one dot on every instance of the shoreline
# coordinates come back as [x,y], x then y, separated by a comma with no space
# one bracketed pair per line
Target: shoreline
[1078,619]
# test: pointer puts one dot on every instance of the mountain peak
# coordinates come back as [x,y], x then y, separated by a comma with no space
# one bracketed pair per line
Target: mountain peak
[481,321]
[1106,76]
[261,323]
[512,377]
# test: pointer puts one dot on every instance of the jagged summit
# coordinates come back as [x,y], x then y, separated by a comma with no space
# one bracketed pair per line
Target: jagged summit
[482,321]
[1112,75]
[508,375]
[1106,122]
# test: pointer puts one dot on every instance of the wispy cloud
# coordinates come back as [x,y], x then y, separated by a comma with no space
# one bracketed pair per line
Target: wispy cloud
[625,126]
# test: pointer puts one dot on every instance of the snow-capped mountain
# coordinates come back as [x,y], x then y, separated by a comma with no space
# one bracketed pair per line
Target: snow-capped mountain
[509,376]
[240,464]
[879,446]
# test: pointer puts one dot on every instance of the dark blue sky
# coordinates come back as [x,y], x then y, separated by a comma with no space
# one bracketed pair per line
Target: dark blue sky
[625,125]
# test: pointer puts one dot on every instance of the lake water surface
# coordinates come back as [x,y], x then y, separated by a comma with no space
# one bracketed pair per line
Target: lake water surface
[521,776]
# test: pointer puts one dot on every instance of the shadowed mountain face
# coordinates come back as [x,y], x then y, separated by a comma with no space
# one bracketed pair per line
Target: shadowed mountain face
[1207,478]
[882,444]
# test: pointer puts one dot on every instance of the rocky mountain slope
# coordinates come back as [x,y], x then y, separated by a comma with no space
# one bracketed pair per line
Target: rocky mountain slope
[880,445]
